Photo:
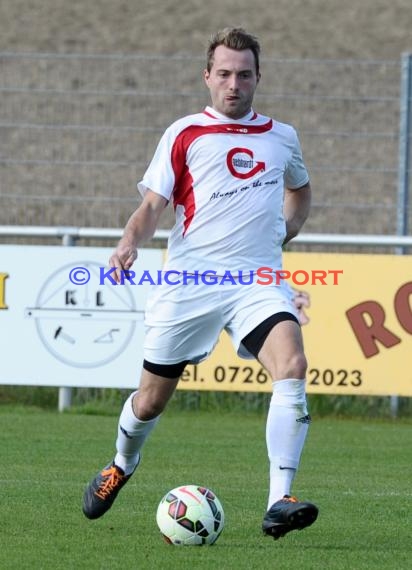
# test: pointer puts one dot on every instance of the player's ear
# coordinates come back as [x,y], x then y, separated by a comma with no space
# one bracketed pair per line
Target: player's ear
[206,76]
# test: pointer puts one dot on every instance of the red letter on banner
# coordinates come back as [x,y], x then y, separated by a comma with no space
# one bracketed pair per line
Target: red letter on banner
[368,334]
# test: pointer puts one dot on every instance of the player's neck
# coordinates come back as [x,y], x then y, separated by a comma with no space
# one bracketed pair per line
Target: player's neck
[214,112]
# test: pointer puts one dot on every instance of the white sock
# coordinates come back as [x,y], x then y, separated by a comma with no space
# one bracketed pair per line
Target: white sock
[286,429]
[131,435]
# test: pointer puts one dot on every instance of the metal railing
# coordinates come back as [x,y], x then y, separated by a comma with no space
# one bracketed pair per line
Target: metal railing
[73,233]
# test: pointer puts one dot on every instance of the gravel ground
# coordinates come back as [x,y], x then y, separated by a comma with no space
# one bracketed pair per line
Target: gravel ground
[365,164]
[287,28]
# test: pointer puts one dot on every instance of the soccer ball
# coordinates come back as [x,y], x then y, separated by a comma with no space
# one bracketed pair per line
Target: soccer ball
[190,515]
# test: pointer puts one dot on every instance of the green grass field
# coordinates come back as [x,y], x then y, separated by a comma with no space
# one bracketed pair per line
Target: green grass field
[358,472]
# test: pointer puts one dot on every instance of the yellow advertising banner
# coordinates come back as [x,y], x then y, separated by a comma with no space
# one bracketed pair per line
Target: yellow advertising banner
[356,317]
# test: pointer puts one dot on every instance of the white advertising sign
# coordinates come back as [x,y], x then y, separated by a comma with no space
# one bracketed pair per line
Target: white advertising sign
[63,321]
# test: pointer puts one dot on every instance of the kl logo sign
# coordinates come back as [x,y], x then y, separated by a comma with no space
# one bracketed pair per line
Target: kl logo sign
[85,327]
[241,164]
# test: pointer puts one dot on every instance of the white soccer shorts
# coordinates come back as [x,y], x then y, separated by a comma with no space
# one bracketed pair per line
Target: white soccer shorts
[183,322]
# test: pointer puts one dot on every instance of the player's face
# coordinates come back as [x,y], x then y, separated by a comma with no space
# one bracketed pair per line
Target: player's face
[232,81]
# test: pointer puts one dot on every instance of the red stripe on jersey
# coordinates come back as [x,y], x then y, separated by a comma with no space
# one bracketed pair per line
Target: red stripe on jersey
[183,193]
[209,114]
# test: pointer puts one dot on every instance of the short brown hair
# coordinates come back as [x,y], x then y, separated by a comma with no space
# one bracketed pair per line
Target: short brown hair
[233,38]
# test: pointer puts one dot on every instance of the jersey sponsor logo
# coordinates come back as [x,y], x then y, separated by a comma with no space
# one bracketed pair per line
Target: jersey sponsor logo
[243,130]
[183,193]
[241,163]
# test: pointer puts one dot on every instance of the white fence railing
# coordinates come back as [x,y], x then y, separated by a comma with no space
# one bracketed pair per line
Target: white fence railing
[72,233]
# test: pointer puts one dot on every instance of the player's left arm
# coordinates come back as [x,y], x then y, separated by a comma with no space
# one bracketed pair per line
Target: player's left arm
[296,208]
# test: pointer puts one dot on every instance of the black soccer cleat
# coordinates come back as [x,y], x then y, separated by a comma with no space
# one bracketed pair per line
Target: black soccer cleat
[102,491]
[288,514]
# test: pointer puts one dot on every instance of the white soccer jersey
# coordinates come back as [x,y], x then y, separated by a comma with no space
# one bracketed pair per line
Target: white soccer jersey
[226,180]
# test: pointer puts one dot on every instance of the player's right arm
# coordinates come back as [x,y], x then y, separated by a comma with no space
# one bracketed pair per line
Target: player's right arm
[140,227]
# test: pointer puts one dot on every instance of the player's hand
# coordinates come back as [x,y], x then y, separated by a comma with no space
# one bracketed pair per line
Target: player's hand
[122,259]
[301,300]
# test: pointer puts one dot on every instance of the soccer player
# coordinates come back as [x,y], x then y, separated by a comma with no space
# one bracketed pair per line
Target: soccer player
[240,191]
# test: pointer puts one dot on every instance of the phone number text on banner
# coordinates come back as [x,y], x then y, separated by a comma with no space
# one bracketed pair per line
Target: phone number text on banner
[357,330]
